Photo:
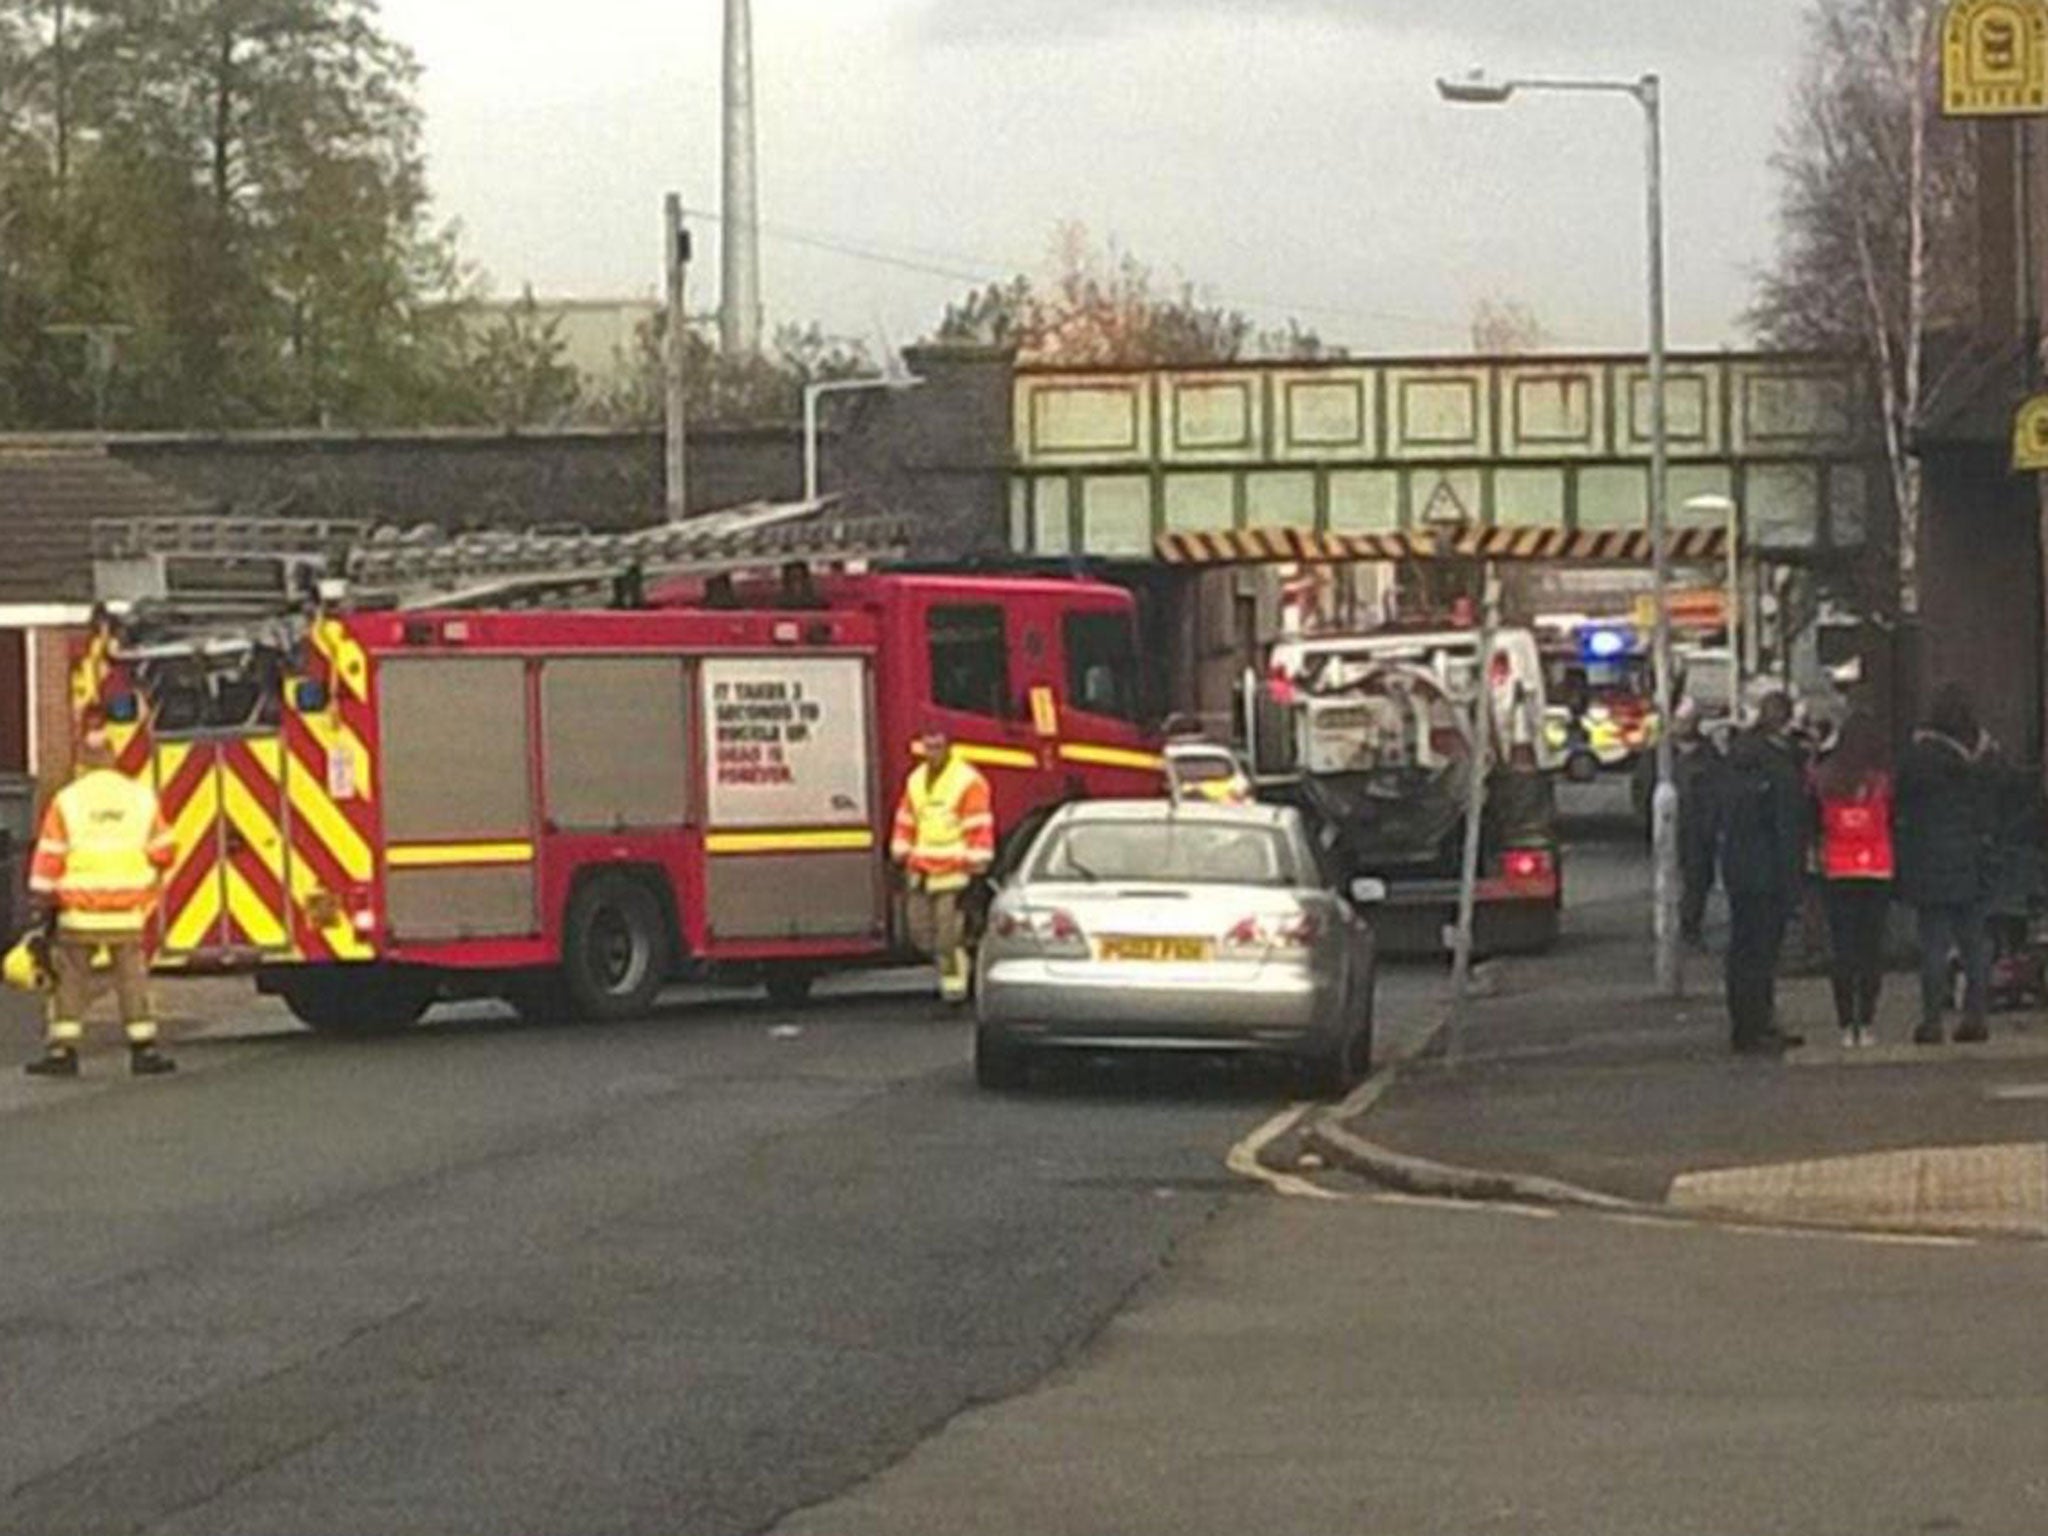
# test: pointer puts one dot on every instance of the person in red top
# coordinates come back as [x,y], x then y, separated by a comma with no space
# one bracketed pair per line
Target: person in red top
[1853,784]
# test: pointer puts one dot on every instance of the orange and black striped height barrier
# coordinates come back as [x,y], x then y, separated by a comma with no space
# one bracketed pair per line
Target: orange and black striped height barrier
[1268,546]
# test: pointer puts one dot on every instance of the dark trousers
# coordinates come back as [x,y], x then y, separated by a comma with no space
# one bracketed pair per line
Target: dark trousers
[1857,910]
[1756,936]
[1959,929]
[1696,867]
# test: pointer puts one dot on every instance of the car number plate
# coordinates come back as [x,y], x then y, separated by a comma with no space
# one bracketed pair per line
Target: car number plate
[1155,949]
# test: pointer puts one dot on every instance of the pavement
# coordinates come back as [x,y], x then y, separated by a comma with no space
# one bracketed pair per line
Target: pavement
[1574,1073]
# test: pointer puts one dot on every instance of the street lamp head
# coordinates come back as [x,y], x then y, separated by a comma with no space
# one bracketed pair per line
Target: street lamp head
[1474,89]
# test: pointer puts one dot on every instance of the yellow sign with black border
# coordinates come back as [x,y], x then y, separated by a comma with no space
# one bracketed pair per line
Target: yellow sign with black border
[1994,58]
[2030,435]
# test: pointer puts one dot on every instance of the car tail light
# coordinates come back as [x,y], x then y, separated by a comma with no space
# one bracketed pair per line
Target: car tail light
[1530,867]
[1297,932]
[1050,928]
[1246,933]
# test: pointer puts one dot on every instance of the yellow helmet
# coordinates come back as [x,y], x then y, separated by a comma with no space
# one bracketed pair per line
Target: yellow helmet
[27,965]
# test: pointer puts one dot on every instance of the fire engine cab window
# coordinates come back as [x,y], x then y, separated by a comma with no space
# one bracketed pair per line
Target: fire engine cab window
[970,660]
[1102,665]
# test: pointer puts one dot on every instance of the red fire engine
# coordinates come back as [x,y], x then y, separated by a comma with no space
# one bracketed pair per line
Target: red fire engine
[567,808]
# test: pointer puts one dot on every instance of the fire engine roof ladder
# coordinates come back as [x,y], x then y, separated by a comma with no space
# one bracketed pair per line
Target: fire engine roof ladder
[218,573]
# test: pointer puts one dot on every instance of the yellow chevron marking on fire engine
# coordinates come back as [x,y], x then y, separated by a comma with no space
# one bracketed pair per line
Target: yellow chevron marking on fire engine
[169,758]
[339,933]
[194,925]
[193,823]
[849,838]
[252,819]
[443,855]
[328,731]
[1112,757]
[263,926]
[311,805]
[351,664]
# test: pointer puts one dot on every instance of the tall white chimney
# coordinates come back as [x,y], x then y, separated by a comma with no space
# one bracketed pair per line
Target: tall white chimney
[739,300]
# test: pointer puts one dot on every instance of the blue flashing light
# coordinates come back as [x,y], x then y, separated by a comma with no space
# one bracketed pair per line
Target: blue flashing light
[1603,644]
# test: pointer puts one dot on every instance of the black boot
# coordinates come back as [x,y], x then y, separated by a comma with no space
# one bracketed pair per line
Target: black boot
[148,1061]
[57,1061]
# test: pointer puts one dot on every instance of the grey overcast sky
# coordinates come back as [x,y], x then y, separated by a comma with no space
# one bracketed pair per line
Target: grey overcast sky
[1286,156]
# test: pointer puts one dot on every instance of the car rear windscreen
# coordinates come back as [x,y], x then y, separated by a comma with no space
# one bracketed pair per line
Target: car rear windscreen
[1172,852]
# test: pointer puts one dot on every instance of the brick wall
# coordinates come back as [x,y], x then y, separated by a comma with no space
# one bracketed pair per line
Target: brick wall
[1980,601]
[467,480]
[939,453]
[50,656]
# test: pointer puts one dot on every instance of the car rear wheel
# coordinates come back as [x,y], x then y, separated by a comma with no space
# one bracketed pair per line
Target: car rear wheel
[615,948]
[1339,1068]
[999,1063]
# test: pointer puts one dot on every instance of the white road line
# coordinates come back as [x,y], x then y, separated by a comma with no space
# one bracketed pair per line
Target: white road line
[1447,1203]
[1686,1221]
[1244,1157]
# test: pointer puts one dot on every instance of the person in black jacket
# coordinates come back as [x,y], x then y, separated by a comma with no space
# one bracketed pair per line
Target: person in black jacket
[1765,820]
[1697,769]
[1943,830]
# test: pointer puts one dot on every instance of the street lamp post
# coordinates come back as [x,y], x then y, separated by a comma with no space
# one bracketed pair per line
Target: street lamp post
[893,379]
[1477,89]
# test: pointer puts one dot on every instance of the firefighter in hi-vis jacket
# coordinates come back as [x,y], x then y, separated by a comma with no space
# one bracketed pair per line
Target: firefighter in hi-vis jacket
[99,861]
[945,835]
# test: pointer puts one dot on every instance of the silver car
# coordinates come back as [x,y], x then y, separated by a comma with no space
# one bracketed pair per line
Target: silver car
[1148,925]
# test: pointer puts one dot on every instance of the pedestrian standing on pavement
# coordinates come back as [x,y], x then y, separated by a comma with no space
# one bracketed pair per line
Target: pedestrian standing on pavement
[99,860]
[1765,819]
[1853,785]
[944,837]
[1697,770]
[1944,831]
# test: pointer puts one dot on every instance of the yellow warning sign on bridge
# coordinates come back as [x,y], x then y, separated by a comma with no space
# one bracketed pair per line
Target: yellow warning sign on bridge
[1994,58]
[2030,435]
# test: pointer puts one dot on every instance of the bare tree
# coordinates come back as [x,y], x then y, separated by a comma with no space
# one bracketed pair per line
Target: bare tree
[1876,248]
[1506,328]
[1102,305]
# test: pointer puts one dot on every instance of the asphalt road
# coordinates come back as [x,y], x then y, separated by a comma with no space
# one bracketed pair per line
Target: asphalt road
[684,1275]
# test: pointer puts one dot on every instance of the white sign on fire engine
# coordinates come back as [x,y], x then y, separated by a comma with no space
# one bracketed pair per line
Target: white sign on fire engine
[341,772]
[787,741]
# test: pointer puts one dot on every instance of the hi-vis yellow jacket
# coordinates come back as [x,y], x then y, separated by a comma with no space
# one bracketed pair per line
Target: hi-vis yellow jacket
[101,854]
[945,829]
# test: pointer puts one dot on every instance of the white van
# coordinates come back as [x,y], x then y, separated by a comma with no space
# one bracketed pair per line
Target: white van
[1519,698]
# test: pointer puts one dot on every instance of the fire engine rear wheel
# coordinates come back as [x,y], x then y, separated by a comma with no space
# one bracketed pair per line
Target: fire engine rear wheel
[358,1003]
[615,951]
